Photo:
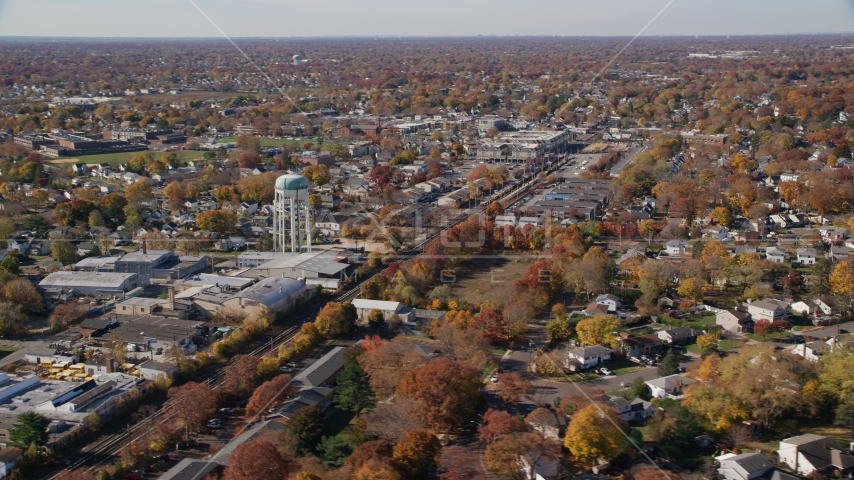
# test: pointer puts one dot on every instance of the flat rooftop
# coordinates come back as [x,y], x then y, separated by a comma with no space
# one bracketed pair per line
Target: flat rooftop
[68,279]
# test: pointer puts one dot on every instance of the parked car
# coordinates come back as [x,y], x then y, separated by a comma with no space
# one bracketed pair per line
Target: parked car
[185,445]
[226,410]
[494,378]
[605,371]
[286,369]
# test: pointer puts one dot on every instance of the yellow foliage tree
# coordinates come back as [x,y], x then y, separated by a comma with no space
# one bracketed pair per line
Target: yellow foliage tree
[598,330]
[706,340]
[692,288]
[841,279]
[594,433]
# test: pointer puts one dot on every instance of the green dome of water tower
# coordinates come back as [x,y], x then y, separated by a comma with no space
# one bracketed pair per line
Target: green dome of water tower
[291,183]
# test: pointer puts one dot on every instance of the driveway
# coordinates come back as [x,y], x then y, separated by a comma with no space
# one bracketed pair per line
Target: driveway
[615,170]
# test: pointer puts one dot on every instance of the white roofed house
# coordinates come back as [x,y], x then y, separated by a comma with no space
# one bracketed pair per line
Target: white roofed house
[749,466]
[672,386]
[364,308]
[613,302]
[676,247]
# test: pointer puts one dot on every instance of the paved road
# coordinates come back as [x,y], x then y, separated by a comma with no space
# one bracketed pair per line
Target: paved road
[544,391]
[615,170]
[829,331]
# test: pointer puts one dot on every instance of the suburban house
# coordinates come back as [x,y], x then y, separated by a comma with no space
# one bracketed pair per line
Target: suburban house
[749,466]
[613,302]
[676,247]
[672,386]
[587,357]
[678,335]
[639,346]
[735,321]
[768,309]
[637,410]
[806,256]
[812,351]
[248,207]
[810,453]
[775,255]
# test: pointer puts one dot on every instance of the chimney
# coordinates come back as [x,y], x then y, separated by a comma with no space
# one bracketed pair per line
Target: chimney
[171,298]
[144,247]
[110,367]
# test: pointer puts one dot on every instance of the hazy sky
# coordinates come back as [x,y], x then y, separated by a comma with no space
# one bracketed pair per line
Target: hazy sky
[287,18]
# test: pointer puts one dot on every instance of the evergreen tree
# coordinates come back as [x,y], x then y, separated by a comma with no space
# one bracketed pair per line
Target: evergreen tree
[31,428]
[353,393]
[305,431]
[638,389]
[670,365]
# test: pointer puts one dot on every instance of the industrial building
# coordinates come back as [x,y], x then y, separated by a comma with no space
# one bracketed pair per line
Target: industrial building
[66,404]
[96,284]
[161,263]
[275,294]
[303,265]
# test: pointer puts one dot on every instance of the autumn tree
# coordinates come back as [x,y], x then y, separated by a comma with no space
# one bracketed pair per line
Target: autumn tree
[513,386]
[373,450]
[241,377]
[248,160]
[706,340]
[249,143]
[266,393]
[318,174]
[219,221]
[257,459]
[336,318]
[448,392]
[841,281]
[594,433]
[503,456]
[598,330]
[61,249]
[416,452]
[386,362]
[651,472]
[23,293]
[193,404]
[137,191]
[648,228]
[496,423]
[692,288]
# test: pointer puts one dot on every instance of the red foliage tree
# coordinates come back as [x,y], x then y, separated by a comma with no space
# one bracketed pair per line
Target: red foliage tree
[496,423]
[762,327]
[448,392]
[248,160]
[266,393]
[513,386]
[374,450]
[257,459]
[241,376]
[193,404]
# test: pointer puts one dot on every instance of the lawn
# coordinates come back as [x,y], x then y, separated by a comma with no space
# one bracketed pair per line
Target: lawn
[487,279]
[4,351]
[768,336]
[723,345]
[622,367]
[118,157]
[337,423]
[702,322]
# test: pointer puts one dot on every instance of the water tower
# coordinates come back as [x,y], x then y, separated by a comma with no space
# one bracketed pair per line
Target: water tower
[297,60]
[291,214]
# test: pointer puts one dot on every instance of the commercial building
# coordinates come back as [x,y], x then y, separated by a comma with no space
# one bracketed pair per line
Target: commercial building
[92,283]
[275,294]
[161,264]
[147,334]
[321,264]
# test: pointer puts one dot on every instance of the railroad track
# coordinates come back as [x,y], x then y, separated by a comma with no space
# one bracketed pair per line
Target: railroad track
[109,446]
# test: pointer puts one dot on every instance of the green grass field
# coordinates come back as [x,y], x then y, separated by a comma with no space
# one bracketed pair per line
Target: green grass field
[271,142]
[118,157]
[4,351]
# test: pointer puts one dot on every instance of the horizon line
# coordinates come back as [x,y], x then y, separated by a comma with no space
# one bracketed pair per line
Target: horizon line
[422,37]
